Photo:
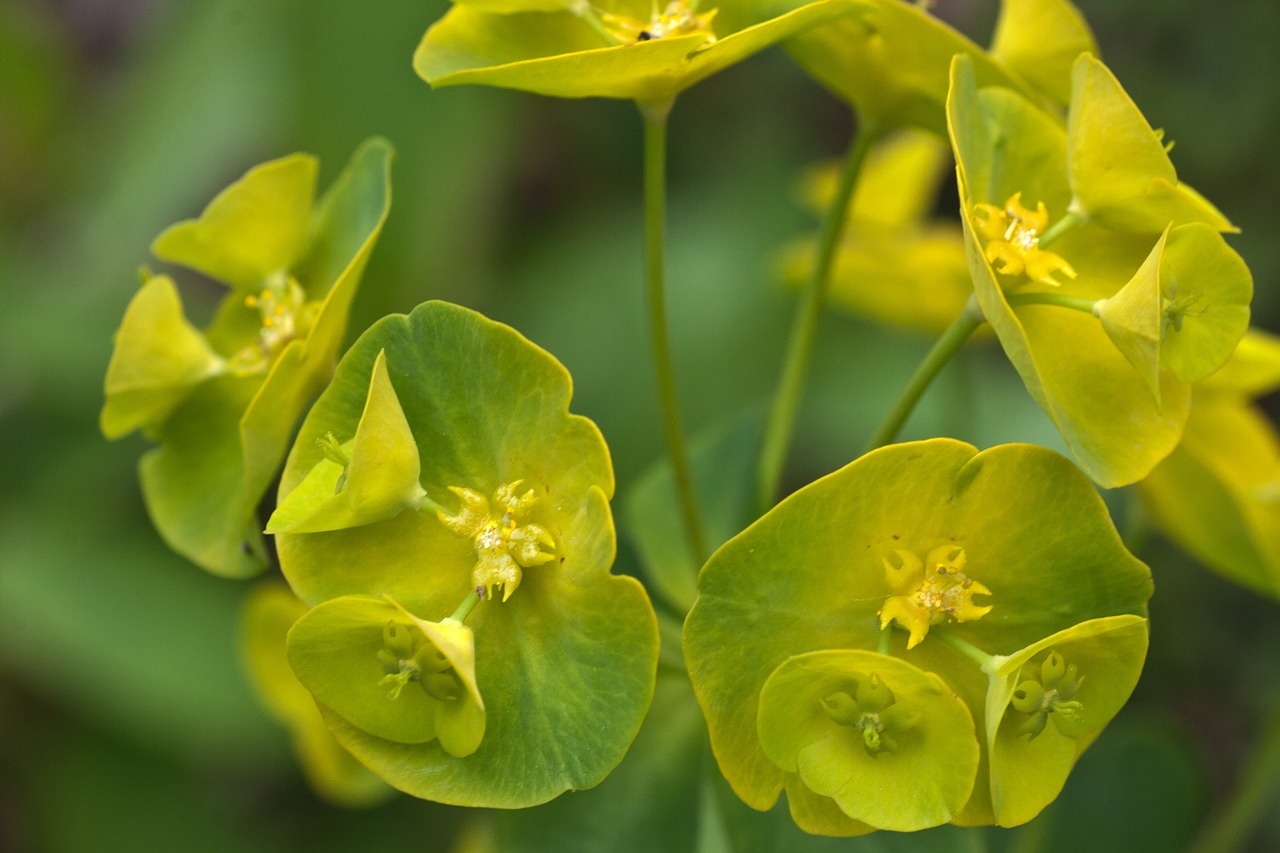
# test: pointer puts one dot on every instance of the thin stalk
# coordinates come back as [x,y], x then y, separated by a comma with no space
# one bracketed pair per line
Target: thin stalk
[655,183]
[986,662]
[1061,300]
[969,319]
[1231,828]
[468,604]
[786,400]
[1068,222]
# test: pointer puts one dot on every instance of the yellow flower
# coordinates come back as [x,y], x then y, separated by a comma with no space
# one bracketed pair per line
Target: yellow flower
[1012,236]
[930,591]
[506,543]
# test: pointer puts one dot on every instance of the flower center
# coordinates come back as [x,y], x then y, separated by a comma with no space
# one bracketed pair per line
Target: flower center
[930,591]
[505,540]
[1049,696]
[677,18]
[284,314]
[1012,236]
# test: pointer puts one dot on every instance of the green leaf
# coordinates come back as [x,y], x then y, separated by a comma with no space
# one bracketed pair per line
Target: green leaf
[158,358]
[1040,40]
[889,60]
[223,446]
[1029,770]
[253,230]
[905,764]
[379,480]
[557,54]
[1121,174]
[811,575]
[1068,364]
[566,665]
[270,610]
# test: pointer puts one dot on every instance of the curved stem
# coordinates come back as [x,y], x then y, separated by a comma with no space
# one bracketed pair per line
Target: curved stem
[1069,222]
[655,160]
[985,661]
[969,319]
[1230,829]
[1061,300]
[786,401]
[468,604]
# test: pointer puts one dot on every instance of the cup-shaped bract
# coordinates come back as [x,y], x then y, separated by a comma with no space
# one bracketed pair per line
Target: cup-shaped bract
[894,264]
[373,478]
[159,358]
[817,571]
[1049,701]
[1218,493]
[892,745]
[1011,155]
[631,49]
[1158,321]
[390,674]
[269,611]
[515,486]
[293,267]
[1120,171]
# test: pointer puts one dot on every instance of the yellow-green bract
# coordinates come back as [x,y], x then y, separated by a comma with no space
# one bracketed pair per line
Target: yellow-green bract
[223,403]
[629,49]
[564,669]
[1218,493]
[1120,400]
[1013,554]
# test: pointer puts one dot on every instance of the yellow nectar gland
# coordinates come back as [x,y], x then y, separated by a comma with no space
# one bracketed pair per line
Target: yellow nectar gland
[930,591]
[284,314]
[1012,236]
[505,541]
[678,18]
[1051,695]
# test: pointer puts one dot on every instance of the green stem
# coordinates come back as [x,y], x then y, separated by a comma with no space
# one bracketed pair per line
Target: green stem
[468,604]
[985,661]
[1230,829]
[1061,300]
[969,319]
[1069,222]
[427,505]
[655,164]
[882,641]
[786,401]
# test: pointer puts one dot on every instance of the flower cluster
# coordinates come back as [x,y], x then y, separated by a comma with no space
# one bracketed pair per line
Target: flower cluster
[917,619]
[424,481]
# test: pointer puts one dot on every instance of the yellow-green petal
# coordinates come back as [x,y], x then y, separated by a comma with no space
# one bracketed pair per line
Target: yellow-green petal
[555,53]
[922,780]
[1027,773]
[1040,40]
[1121,174]
[889,60]
[1207,288]
[158,358]
[1134,321]
[380,480]
[253,230]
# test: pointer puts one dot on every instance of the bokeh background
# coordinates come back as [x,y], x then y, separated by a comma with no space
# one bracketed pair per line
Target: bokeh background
[125,721]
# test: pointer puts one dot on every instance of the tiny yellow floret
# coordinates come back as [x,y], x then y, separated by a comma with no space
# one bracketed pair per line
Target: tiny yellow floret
[930,591]
[678,18]
[1012,236]
[505,541]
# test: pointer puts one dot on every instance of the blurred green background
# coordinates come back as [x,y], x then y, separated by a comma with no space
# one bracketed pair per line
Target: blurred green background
[125,722]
